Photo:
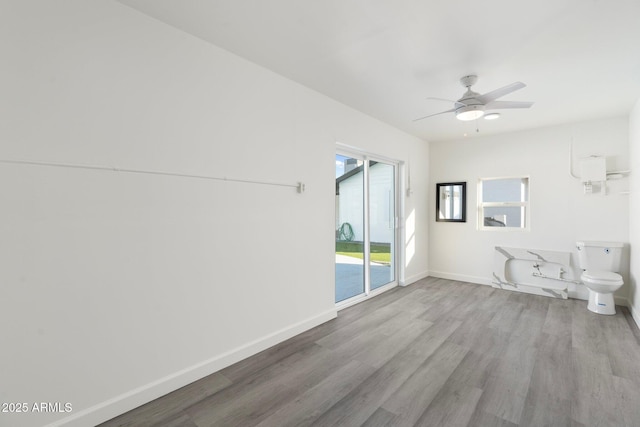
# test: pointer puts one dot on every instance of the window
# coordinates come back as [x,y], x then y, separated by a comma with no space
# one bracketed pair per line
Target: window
[503,203]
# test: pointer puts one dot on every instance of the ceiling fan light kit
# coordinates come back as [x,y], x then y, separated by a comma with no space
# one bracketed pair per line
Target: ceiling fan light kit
[470,112]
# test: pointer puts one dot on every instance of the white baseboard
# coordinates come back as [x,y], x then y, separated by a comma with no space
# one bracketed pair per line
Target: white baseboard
[621,301]
[487,281]
[635,314]
[461,277]
[132,399]
[533,290]
[578,291]
[409,280]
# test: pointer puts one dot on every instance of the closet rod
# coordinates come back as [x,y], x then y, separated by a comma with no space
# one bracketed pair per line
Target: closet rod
[299,186]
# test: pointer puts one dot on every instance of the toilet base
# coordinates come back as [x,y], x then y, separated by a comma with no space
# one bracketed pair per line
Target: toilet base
[601,303]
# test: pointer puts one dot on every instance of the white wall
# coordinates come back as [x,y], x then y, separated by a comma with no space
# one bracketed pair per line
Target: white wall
[634,210]
[117,288]
[561,213]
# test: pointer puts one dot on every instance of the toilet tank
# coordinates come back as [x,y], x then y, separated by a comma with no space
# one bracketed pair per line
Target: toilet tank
[604,256]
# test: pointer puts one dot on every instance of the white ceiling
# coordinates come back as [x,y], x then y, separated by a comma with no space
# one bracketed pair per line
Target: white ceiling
[580,59]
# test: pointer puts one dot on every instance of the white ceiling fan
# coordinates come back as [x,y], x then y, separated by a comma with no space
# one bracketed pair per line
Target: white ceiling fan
[472,105]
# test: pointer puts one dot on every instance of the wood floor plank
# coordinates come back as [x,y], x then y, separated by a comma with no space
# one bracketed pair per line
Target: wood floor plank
[400,321]
[586,332]
[354,312]
[363,401]
[495,298]
[559,319]
[623,348]
[166,407]
[303,410]
[507,385]
[552,384]
[178,420]
[544,409]
[530,323]
[475,333]
[440,309]
[275,354]
[384,347]
[624,359]
[472,372]
[593,396]
[451,408]
[419,390]
[366,322]
[553,371]
[506,316]
[481,418]
[256,397]
[468,301]
[382,317]
[380,418]
[628,396]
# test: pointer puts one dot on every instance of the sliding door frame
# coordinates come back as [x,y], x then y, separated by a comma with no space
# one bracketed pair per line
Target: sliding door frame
[398,244]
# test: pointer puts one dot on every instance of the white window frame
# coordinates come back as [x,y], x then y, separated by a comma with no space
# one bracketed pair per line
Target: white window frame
[524,202]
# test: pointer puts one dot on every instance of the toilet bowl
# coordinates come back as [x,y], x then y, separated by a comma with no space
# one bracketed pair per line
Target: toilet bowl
[600,262]
[601,285]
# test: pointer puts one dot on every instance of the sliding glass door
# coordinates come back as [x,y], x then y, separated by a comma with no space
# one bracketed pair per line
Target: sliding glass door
[365,225]
[349,227]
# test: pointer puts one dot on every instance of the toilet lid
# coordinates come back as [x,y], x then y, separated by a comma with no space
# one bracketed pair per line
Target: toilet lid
[601,276]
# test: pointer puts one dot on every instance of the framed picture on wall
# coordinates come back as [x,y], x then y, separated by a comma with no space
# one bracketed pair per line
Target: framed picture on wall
[451,202]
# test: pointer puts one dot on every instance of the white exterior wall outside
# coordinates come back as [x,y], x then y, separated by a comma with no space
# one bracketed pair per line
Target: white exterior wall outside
[349,202]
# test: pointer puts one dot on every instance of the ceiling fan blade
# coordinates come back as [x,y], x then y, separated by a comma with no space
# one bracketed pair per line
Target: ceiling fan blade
[456,103]
[495,105]
[485,98]
[440,99]
[436,114]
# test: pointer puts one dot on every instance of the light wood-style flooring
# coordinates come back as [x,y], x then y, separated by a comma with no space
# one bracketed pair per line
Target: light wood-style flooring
[436,353]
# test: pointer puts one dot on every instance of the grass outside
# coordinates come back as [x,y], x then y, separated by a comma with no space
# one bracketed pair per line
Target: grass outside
[380,252]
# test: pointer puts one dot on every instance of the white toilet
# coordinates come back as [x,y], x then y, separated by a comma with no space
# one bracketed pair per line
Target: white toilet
[600,262]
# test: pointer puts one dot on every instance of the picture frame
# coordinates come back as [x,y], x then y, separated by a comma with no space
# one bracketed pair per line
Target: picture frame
[451,202]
